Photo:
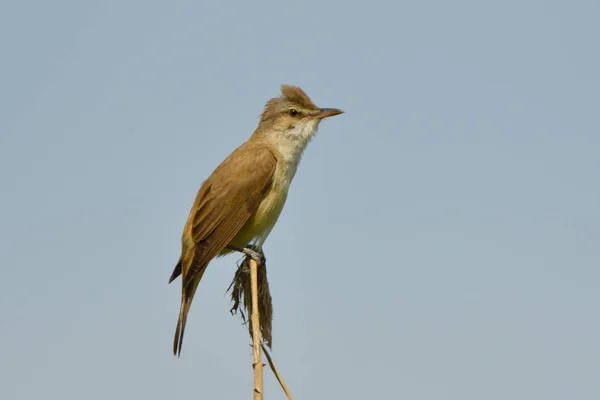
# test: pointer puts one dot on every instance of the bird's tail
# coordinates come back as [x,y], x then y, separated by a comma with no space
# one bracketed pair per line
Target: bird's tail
[187,294]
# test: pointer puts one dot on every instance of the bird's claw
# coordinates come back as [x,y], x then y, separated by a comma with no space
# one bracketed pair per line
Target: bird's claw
[256,253]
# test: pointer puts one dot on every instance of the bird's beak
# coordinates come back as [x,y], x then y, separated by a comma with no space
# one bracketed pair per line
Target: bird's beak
[326,112]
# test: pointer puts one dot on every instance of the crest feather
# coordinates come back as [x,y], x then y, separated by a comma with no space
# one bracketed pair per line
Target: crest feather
[289,94]
[296,95]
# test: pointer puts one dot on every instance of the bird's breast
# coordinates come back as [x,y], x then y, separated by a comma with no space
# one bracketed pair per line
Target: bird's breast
[262,221]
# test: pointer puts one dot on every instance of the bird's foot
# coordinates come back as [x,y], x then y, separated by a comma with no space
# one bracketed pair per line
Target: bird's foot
[254,252]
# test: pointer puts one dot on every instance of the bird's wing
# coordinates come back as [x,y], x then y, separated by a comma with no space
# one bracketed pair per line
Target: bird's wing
[225,202]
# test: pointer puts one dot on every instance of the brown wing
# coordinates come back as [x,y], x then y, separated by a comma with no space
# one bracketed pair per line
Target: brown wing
[223,205]
[225,202]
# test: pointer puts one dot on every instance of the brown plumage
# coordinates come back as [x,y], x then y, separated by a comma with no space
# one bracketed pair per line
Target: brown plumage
[223,205]
[241,200]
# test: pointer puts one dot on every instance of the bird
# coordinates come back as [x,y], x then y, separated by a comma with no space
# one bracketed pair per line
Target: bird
[238,205]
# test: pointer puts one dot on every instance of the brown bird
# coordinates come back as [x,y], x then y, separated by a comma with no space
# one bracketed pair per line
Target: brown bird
[240,202]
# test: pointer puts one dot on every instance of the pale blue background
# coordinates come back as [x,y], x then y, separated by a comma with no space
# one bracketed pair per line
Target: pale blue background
[441,239]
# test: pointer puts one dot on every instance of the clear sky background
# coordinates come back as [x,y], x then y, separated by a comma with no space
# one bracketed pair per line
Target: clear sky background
[440,241]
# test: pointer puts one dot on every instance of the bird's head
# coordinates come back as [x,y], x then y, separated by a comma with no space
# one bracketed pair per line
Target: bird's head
[292,116]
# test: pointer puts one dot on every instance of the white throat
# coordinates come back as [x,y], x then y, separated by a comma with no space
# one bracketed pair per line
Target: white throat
[292,142]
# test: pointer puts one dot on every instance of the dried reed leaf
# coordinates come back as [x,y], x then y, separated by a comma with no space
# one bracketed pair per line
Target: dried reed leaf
[241,295]
[286,390]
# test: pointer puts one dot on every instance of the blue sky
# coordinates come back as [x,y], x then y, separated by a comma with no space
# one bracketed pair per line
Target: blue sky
[440,239]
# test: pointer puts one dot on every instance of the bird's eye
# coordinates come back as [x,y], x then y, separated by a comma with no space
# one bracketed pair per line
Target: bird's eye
[293,112]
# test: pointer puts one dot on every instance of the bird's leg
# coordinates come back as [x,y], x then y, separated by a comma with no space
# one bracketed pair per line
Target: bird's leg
[254,252]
